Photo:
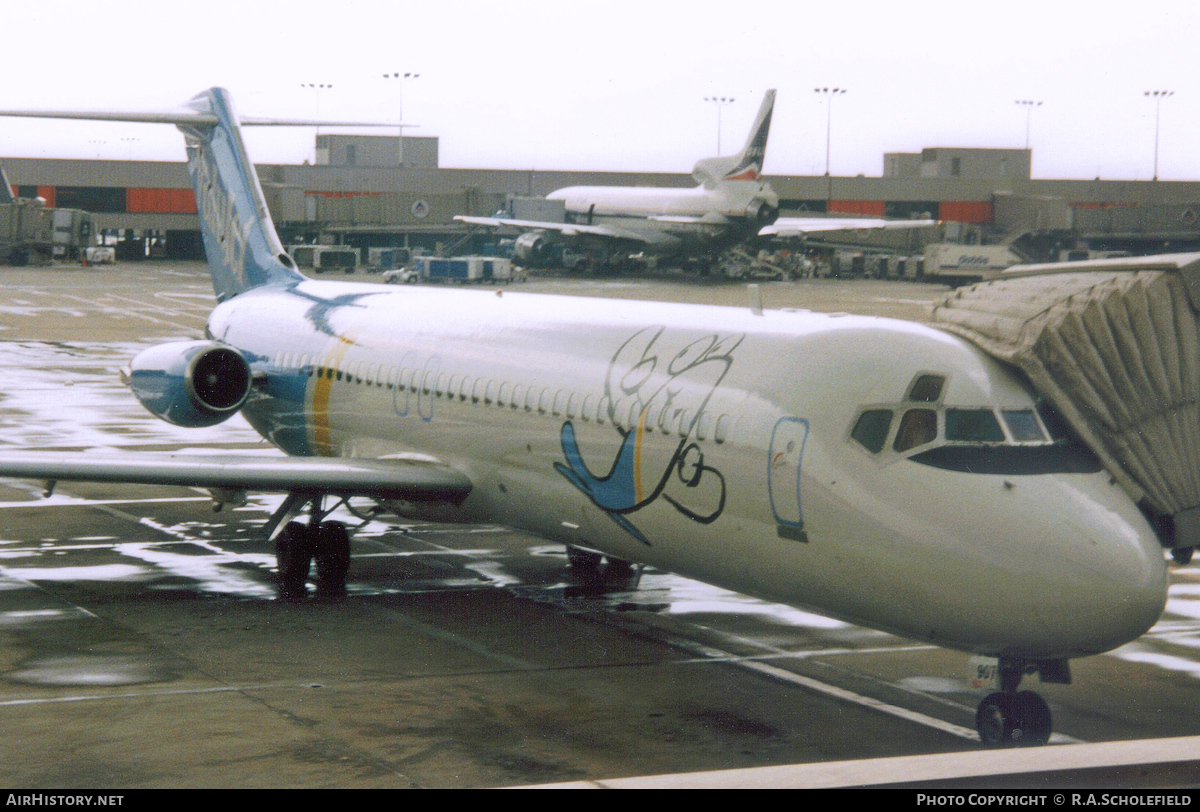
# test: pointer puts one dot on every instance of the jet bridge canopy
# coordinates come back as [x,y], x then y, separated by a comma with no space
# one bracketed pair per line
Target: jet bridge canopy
[1115,348]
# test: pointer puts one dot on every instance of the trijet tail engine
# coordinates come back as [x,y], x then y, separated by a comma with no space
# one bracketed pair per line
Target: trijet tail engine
[762,212]
[191,383]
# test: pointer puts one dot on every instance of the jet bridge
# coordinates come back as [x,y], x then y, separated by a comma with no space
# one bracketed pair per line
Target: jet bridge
[1114,346]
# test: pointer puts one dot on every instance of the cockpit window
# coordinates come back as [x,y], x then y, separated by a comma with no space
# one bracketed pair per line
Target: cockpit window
[1023,425]
[1055,424]
[926,388]
[973,426]
[966,430]
[917,427]
[872,428]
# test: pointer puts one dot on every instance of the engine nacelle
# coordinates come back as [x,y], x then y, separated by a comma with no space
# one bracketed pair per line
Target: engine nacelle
[762,212]
[532,249]
[191,383]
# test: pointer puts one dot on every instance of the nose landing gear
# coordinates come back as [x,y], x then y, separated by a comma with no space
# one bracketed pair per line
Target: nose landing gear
[1012,718]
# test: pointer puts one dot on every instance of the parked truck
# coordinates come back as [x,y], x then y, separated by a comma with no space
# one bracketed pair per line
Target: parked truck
[954,265]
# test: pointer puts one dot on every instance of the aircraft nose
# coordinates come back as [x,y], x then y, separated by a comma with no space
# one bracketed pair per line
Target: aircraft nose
[1106,581]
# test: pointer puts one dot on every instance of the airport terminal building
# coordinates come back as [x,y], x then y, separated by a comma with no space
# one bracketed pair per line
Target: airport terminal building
[383,191]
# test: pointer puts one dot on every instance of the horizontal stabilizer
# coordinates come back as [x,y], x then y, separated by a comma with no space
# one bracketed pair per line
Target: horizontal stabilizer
[185,116]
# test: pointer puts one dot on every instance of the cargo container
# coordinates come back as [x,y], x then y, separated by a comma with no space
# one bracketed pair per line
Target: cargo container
[73,234]
[463,269]
[379,259]
[320,258]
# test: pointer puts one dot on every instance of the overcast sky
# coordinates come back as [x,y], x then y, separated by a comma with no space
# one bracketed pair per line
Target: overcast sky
[619,85]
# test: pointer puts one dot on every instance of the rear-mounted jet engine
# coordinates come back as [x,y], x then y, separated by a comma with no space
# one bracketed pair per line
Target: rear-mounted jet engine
[191,383]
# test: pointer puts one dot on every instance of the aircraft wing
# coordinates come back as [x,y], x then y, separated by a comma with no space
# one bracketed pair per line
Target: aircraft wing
[566,229]
[800,226]
[405,479]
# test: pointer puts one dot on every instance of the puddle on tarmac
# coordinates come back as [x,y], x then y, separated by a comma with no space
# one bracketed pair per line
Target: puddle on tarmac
[86,670]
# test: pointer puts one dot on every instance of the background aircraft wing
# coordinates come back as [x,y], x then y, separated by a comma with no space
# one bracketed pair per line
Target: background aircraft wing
[566,229]
[406,479]
[800,226]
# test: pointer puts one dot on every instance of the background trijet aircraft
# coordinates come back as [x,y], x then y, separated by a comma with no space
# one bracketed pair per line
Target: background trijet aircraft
[732,204]
[882,472]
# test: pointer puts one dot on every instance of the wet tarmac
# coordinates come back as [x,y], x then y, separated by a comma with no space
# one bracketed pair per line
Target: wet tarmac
[142,642]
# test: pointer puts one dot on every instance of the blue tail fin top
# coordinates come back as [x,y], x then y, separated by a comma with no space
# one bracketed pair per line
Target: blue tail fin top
[6,189]
[243,248]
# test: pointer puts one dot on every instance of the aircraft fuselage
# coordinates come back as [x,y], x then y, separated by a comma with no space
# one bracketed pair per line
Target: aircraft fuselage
[674,221]
[720,445]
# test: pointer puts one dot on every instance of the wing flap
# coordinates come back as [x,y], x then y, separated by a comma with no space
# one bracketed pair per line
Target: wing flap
[406,479]
[799,226]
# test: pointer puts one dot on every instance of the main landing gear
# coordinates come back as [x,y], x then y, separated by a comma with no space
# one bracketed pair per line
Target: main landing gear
[299,545]
[1012,718]
[586,564]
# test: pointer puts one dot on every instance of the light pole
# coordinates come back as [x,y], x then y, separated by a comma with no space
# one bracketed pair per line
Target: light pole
[1158,96]
[1028,105]
[719,101]
[400,79]
[829,92]
[316,88]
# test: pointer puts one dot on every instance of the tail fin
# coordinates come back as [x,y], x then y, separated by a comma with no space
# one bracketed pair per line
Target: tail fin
[747,164]
[239,238]
[6,189]
[243,248]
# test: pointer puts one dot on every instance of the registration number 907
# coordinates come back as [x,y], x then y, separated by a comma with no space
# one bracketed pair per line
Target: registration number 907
[983,673]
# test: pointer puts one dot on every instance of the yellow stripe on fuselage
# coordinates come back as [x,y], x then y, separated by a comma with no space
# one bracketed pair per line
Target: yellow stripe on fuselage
[322,391]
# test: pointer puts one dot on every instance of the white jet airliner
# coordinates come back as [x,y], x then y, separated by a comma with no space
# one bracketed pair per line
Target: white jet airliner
[732,204]
[877,471]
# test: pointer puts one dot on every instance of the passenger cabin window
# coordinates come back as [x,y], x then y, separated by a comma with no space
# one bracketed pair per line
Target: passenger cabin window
[721,433]
[917,427]
[973,426]
[872,429]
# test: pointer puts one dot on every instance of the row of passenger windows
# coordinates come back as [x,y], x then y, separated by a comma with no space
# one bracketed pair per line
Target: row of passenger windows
[625,414]
[918,425]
